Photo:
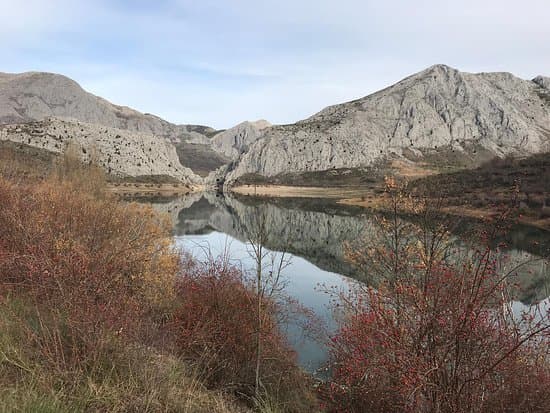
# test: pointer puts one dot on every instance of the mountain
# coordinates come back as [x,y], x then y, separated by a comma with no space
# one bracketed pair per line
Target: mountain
[47,111]
[120,153]
[233,142]
[438,119]
[33,96]
[435,116]
[44,99]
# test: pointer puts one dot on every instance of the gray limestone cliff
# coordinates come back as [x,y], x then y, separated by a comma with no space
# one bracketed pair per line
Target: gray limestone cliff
[33,96]
[438,110]
[120,152]
[233,142]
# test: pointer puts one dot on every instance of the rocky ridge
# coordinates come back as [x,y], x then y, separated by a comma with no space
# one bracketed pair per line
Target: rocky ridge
[120,152]
[232,143]
[34,96]
[437,113]
[439,110]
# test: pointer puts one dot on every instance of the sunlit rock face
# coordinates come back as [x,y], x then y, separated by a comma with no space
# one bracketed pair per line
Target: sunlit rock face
[439,110]
[119,152]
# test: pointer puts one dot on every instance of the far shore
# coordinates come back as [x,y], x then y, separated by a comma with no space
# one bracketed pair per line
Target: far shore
[284,191]
[148,189]
[366,198]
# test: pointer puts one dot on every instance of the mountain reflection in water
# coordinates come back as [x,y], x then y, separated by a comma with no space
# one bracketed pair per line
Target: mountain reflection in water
[317,230]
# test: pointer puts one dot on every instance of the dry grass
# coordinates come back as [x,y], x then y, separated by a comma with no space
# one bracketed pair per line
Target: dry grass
[86,285]
[90,307]
[282,191]
[122,378]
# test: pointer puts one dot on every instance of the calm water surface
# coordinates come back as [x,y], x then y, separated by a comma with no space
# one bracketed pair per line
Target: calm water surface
[312,233]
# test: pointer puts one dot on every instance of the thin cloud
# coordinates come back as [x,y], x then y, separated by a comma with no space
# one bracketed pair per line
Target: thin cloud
[218,62]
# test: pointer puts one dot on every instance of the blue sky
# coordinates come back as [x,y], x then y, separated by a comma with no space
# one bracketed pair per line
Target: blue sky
[221,62]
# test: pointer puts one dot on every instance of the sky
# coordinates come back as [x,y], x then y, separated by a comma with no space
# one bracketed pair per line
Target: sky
[220,62]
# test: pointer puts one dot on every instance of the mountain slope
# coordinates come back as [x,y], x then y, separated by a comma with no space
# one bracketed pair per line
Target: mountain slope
[33,96]
[121,153]
[438,111]
[45,99]
[232,142]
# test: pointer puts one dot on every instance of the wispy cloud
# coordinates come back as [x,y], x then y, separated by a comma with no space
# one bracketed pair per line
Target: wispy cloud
[219,62]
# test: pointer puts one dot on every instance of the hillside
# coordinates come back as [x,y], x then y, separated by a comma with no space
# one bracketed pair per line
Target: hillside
[522,182]
[37,97]
[119,152]
[40,97]
[438,120]
[235,141]
[33,96]
[437,116]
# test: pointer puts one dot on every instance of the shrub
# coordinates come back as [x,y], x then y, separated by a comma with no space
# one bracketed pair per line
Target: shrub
[215,326]
[95,315]
[438,334]
[447,347]
[87,266]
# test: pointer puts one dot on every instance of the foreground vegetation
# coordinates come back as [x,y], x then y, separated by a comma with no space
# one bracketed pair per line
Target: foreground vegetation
[100,312]
[438,334]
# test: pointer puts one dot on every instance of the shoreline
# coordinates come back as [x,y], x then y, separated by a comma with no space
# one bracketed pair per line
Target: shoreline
[287,191]
[164,190]
[367,198]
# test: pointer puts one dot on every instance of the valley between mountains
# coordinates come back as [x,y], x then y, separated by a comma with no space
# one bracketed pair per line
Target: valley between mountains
[473,137]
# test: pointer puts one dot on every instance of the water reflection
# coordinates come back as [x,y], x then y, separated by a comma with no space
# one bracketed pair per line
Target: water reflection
[301,281]
[316,231]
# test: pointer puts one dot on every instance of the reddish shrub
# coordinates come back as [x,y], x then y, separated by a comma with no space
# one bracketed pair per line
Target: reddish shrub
[439,333]
[448,346]
[216,326]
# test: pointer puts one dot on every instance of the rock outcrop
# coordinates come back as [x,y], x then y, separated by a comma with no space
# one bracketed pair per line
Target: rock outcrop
[42,97]
[120,152]
[233,142]
[437,110]
[542,81]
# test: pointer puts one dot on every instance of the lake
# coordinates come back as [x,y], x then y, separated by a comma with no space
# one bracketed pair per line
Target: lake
[312,233]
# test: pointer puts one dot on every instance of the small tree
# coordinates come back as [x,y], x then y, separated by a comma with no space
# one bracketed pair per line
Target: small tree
[268,272]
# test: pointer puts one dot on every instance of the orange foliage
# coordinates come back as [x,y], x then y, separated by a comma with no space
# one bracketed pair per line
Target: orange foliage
[91,263]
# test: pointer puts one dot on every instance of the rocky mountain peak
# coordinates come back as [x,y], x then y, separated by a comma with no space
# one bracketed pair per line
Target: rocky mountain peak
[34,96]
[439,110]
[233,142]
